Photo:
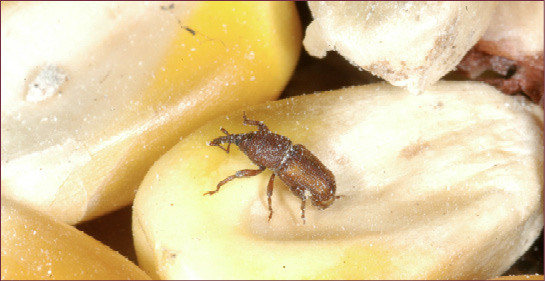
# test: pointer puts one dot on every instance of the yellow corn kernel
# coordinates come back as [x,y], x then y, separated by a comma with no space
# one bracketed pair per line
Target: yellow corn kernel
[35,246]
[110,86]
[443,185]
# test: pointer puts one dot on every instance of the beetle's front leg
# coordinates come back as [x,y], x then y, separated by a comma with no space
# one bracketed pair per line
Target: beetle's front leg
[238,174]
[259,124]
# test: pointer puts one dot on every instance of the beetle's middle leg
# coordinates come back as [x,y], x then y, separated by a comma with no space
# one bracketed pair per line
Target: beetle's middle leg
[259,124]
[238,174]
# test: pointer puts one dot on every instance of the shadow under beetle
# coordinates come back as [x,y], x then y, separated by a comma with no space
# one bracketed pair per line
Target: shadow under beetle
[295,165]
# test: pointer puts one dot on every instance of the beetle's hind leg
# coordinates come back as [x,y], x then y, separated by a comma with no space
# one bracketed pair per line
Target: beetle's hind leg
[259,124]
[238,174]
[303,204]
[269,194]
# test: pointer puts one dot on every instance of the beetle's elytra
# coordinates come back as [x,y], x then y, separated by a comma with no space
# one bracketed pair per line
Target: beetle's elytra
[295,165]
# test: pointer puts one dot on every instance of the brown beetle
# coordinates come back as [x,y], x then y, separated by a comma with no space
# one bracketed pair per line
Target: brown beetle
[295,165]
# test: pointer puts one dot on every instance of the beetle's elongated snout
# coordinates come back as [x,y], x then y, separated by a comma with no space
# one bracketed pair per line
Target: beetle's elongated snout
[219,140]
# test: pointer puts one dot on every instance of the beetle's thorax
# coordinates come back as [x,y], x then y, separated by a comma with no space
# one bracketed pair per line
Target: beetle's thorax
[265,148]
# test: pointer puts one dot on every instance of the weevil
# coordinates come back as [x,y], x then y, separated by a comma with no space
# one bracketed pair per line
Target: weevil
[294,164]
